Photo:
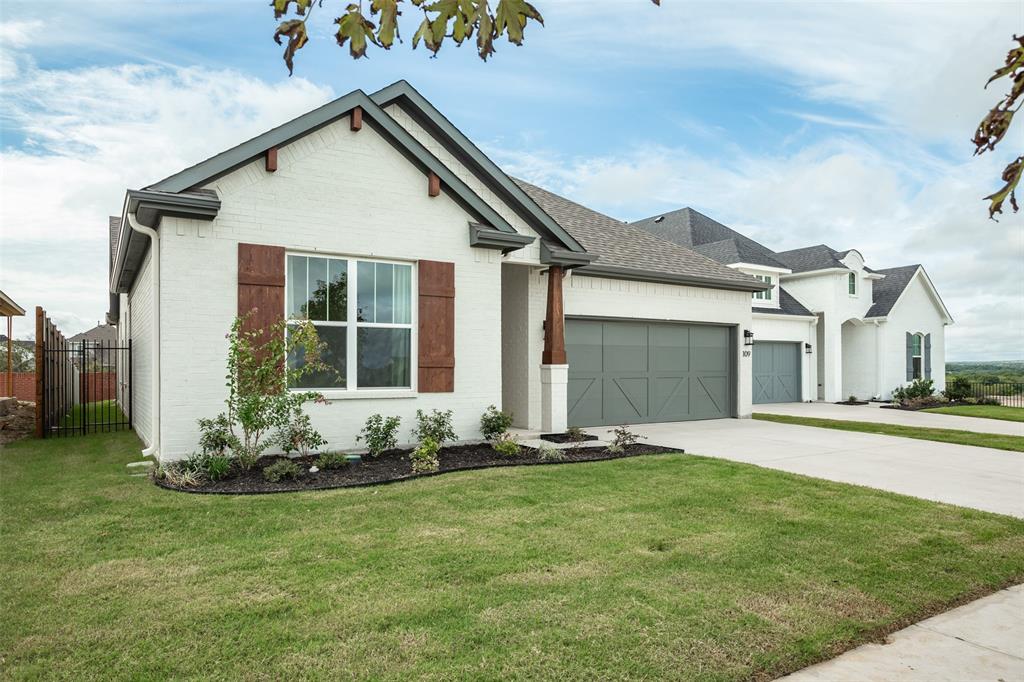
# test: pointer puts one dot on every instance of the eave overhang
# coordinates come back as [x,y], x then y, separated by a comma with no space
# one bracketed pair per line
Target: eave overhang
[555,255]
[486,237]
[617,272]
[150,206]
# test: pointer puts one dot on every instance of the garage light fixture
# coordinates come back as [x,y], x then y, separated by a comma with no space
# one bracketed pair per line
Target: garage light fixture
[807,348]
[748,337]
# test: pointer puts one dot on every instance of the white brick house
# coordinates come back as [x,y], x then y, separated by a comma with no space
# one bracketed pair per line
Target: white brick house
[443,283]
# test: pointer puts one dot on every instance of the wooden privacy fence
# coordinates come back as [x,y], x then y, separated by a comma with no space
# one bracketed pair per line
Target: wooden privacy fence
[80,387]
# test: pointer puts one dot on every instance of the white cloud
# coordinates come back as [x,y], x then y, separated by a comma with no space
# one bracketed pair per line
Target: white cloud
[19,33]
[90,134]
[919,66]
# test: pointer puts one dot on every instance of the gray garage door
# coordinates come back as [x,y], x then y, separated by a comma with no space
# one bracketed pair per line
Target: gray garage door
[632,372]
[776,372]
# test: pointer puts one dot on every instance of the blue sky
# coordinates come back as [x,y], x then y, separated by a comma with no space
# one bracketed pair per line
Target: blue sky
[799,123]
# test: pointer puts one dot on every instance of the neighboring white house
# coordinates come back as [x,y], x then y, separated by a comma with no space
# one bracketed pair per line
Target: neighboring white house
[436,281]
[830,327]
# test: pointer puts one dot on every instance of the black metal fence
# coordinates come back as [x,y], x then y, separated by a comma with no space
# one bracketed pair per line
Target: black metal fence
[85,387]
[1009,394]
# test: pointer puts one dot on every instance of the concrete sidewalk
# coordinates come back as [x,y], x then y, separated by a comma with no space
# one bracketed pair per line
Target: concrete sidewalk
[978,641]
[873,412]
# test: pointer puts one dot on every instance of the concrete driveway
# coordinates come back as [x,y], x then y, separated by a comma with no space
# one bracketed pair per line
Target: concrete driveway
[873,412]
[983,478]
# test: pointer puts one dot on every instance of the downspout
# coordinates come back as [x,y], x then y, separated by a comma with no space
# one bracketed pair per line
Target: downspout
[154,238]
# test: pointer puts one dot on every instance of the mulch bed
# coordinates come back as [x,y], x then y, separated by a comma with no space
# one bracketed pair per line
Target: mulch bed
[394,465]
[917,408]
[855,402]
[564,437]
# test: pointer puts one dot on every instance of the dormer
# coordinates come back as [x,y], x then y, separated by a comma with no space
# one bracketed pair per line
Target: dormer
[858,282]
[769,298]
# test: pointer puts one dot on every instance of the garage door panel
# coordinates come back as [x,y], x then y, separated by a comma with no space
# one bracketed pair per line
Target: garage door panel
[586,400]
[626,348]
[710,396]
[709,349]
[670,348]
[625,399]
[670,398]
[647,372]
[585,338]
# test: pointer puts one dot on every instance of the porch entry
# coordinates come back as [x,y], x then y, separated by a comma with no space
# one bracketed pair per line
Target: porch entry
[629,372]
[776,372]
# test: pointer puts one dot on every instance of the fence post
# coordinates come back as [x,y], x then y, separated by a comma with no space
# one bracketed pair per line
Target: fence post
[40,369]
[130,384]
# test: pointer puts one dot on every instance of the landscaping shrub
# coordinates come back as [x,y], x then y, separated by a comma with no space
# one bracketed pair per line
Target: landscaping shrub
[576,436]
[548,453]
[257,380]
[424,458]
[331,460]
[218,467]
[177,475]
[921,388]
[215,436]
[282,469]
[436,426]
[921,403]
[298,435]
[380,434]
[958,388]
[623,439]
[506,445]
[494,423]
[987,400]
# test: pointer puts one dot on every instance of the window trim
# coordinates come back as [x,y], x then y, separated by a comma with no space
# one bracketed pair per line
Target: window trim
[352,325]
[917,354]
[852,283]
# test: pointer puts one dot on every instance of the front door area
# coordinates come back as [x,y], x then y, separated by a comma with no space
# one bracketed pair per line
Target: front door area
[629,372]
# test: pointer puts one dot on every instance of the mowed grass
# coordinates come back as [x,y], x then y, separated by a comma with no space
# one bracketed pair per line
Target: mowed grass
[659,567]
[985,440]
[103,415]
[1011,414]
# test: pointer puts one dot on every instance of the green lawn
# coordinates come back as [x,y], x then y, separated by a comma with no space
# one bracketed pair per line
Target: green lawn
[663,567]
[1010,414]
[97,413]
[985,440]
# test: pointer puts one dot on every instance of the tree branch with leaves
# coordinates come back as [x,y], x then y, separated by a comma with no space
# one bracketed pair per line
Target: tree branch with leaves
[994,126]
[378,24]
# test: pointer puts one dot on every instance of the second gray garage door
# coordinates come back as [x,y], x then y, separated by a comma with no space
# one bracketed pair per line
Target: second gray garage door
[776,372]
[633,372]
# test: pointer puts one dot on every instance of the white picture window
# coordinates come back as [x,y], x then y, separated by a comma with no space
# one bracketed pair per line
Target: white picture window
[765,295]
[367,333]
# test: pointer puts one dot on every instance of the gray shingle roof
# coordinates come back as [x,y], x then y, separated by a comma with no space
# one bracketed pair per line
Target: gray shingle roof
[696,231]
[886,291]
[619,244]
[811,258]
[787,306]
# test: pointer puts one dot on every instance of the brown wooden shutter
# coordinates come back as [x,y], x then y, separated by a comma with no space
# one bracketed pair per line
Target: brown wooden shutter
[437,327]
[260,285]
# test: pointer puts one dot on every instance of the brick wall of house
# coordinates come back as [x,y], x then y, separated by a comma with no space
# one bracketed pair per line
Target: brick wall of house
[335,192]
